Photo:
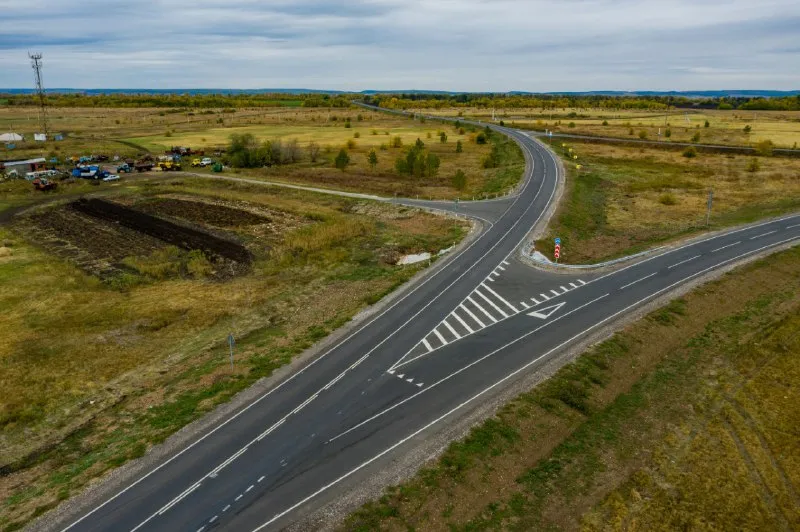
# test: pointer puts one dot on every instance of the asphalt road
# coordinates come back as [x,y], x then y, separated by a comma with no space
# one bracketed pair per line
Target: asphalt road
[448,344]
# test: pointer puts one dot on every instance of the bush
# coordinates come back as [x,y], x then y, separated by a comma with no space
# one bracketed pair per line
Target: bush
[347,124]
[696,137]
[605,122]
[418,162]
[357,135]
[168,133]
[442,137]
[459,147]
[481,138]
[690,153]
[351,144]
[747,129]
[707,124]
[630,131]
[765,148]
[342,160]
[643,134]
[397,142]
[459,180]
[571,124]
[753,165]
[667,199]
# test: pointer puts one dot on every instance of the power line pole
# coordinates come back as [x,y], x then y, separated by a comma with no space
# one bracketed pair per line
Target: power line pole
[36,63]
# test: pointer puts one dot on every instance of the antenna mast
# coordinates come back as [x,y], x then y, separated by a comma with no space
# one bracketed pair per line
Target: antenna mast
[36,63]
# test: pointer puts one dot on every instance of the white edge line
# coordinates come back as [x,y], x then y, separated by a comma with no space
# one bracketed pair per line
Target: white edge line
[445,415]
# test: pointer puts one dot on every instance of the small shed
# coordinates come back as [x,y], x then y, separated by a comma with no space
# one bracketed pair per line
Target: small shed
[23,167]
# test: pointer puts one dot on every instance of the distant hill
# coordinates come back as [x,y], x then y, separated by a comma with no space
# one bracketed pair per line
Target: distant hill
[686,94]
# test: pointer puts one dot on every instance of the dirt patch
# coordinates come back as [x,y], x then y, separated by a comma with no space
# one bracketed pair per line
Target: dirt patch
[201,212]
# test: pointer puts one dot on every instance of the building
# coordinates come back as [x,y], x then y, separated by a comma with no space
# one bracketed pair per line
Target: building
[10,137]
[23,167]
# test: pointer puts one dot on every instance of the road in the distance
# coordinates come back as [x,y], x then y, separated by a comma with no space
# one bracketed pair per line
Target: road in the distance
[481,321]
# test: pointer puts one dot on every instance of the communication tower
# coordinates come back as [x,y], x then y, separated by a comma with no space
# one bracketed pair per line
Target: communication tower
[36,63]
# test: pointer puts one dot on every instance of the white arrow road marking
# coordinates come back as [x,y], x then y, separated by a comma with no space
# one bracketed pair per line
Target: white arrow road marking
[546,312]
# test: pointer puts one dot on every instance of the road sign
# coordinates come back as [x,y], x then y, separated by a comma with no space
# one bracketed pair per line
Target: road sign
[546,312]
[557,254]
[232,344]
[558,241]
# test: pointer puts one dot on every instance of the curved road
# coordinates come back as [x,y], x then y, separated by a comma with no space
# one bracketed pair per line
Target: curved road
[480,321]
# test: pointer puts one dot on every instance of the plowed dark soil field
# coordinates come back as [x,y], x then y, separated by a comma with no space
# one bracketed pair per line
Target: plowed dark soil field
[201,212]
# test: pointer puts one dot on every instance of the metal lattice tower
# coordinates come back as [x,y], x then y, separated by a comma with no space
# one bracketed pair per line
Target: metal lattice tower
[36,63]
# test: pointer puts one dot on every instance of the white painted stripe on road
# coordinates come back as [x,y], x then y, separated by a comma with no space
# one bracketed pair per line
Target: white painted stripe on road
[469,298]
[637,280]
[573,285]
[506,263]
[555,293]
[498,309]
[226,508]
[427,345]
[462,322]
[450,328]
[525,305]
[439,335]
[582,282]
[471,315]
[763,234]
[213,519]
[682,262]
[792,226]
[238,497]
[725,247]
[564,288]
[261,478]
[501,268]
[498,296]
[248,489]
[177,499]
[546,298]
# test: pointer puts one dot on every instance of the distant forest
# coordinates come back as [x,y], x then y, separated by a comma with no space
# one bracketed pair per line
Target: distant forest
[502,101]
[404,101]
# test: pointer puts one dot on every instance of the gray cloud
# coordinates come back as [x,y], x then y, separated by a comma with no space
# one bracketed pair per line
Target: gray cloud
[479,45]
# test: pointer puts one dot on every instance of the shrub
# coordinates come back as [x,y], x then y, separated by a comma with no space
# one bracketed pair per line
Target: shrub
[347,124]
[765,148]
[706,124]
[690,153]
[630,131]
[442,137]
[481,138]
[667,199]
[747,129]
[571,124]
[459,147]
[397,142]
[357,135]
[351,144]
[668,133]
[753,165]
[342,160]
[459,180]
[605,122]
[643,134]
[696,137]
[168,133]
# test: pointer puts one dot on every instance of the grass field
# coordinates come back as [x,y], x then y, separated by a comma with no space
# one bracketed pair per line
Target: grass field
[724,127]
[133,132]
[625,199]
[95,370]
[684,420]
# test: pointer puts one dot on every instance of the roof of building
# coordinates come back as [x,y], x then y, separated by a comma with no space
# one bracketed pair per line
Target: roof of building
[26,161]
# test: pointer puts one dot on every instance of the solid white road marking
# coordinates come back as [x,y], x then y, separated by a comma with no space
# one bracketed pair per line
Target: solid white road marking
[535,301]
[427,345]
[573,285]
[763,234]
[528,181]
[238,497]
[498,309]
[506,263]
[462,322]
[226,508]
[555,293]
[682,262]
[213,519]
[439,336]
[582,282]
[543,312]
[420,384]
[450,328]
[501,268]
[262,478]
[564,288]
[637,280]
[410,380]
[725,247]
[498,296]
[524,305]
[471,315]
[546,298]
[792,226]
[481,309]
[248,489]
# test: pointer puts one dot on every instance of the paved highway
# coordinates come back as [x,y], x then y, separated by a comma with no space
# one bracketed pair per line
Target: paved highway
[479,322]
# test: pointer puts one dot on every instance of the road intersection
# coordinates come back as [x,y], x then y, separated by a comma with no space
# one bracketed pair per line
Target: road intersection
[479,321]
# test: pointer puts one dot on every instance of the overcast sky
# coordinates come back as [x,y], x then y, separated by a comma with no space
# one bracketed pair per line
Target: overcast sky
[462,45]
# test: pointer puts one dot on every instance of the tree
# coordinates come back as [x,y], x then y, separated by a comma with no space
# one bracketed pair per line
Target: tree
[419,144]
[747,129]
[605,122]
[696,137]
[459,180]
[342,160]
[459,147]
[372,158]
[291,151]
[480,139]
[313,151]
[707,124]
[397,142]
[668,133]
[442,137]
